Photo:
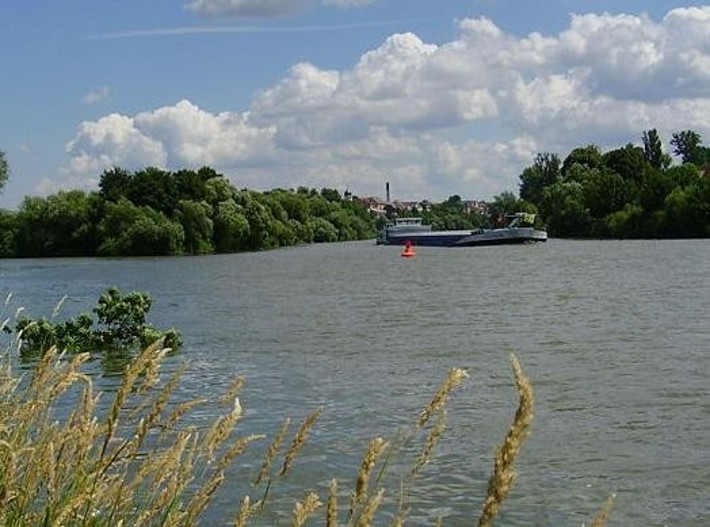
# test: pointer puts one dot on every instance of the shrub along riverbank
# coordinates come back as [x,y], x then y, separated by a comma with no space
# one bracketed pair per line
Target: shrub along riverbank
[627,192]
[157,212]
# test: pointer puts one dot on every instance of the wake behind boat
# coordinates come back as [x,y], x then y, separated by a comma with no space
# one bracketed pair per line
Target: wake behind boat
[518,230]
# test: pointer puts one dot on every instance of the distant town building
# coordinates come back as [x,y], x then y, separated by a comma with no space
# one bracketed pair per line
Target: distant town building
[378,206]
[406,205]
[475,206]
[374,205]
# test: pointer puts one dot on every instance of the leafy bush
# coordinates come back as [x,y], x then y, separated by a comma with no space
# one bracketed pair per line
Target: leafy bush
[119,324]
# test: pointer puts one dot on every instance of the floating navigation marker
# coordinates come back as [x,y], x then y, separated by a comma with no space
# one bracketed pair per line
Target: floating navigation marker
[408,251]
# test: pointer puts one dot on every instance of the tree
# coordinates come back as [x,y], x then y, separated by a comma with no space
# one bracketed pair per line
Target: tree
[605,192]
[360,220]
[653,150]
[71,218]
[32,227]
[276,210]
[658,185]
[154,188]
[686,145]
[259,219]
[684,175]
[626,223]
[566,214]
[114,184]
[195,218]
[231,228]
[303,231]
[688,210]
[191,184]
[331,194]
[8,234]
[188,185]
[589,156]
[544,172]
[629,162]
[454,203]
[282,233]
[4,170]
[295,204]
[218,190]
[129,230]
[323,231]
[321,207]
[62,224]
[343,223]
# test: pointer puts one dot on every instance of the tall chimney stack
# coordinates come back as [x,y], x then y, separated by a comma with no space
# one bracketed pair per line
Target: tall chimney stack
[387,187]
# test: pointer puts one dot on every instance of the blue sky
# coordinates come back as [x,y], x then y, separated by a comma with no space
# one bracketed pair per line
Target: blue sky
[438,97]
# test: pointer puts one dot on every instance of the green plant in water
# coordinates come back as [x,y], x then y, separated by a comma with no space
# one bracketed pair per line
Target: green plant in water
[117,323]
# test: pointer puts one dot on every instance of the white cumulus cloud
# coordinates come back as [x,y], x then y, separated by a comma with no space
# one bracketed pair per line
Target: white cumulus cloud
[460,117]
[114,140]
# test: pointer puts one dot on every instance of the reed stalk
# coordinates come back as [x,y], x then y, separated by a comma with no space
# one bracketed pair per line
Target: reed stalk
[503,475]
[431,441]
[299,440]
[331,519]
[271,452]
[375,449]
[455,377]
[370,508]
[603,515]
[305,509]
[244,512]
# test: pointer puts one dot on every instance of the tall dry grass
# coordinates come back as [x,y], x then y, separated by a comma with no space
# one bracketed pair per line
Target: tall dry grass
[503,475]
[135,464]
[139,461]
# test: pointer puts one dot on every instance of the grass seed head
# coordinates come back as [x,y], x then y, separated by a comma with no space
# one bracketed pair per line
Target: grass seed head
[299,440]
[454,379]
[503,476]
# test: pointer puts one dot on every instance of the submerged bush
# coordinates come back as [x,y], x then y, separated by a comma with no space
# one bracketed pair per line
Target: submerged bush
[117,323]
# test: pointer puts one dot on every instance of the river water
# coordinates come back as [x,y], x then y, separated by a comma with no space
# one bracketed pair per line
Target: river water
[615,336]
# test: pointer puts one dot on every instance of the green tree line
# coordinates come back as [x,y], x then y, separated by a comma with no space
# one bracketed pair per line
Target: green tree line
[159,212]
[628,192]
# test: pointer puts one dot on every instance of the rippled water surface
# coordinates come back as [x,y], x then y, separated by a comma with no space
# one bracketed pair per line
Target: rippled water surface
[614,335]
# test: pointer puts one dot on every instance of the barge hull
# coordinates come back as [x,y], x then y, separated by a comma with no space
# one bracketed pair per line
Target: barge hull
[468,239]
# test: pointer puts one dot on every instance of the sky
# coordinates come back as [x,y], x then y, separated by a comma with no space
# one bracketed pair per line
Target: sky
[437,97]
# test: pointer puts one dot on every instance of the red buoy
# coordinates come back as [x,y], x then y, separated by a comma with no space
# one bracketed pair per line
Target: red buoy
[408,251]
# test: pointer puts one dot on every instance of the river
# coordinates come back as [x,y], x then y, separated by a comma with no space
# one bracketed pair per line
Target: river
[615,336]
